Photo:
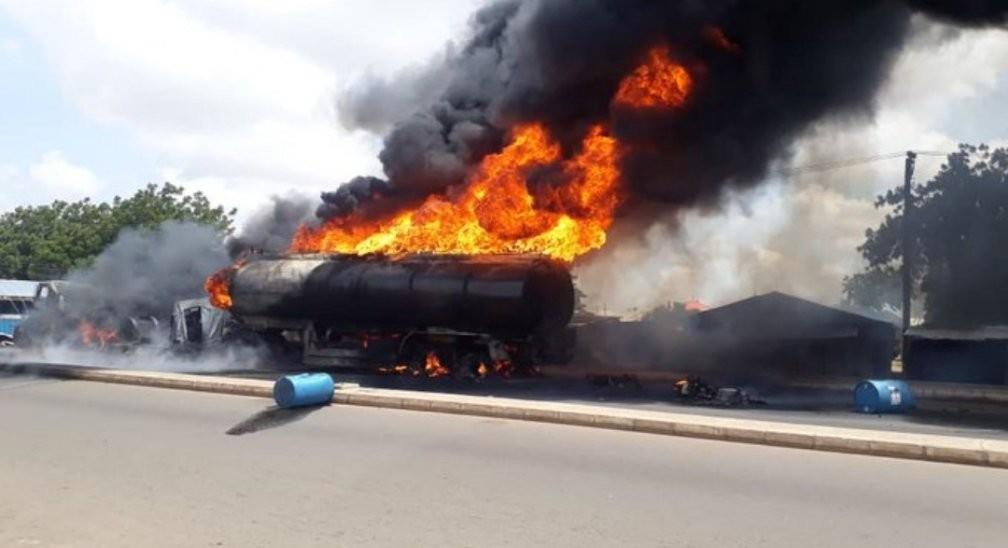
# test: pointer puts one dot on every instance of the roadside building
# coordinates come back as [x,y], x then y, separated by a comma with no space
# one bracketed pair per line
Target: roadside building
[783,335]
[977,355]
[769,337]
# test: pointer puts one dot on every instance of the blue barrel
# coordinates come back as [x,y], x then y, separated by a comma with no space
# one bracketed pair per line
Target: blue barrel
[883,396]
[303,389]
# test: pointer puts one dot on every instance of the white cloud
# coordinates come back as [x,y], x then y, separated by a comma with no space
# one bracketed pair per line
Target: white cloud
[10,47]
[8,172]
[59,176]
[50,177]
[235,95]
[8,180]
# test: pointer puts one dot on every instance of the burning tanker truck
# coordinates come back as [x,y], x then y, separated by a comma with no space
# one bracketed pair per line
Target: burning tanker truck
[549,119]
[427,314]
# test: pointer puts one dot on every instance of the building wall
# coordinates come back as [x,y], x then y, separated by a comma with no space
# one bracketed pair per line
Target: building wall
[951,360]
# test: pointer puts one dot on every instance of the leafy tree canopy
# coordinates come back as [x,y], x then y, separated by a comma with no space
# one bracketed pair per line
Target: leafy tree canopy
[959,226]
[46,242]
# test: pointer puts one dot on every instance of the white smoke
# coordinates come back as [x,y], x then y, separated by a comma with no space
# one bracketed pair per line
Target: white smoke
[154,356]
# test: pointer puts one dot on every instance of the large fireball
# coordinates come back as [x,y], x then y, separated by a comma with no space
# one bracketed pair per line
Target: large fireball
[497,212]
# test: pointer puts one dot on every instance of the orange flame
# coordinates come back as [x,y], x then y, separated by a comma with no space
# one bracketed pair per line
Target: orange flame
[659,83]
[503,367]
[433,366]
[497,212]
[218,286]
[92,335]
[400,369]
[695,305]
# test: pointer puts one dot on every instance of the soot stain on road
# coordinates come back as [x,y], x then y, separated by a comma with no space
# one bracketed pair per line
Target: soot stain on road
[271,417]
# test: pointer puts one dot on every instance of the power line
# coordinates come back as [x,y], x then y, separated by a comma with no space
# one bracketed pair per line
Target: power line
[838,164]
[850,162]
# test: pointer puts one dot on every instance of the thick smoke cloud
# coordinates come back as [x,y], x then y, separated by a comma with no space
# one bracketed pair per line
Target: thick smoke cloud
[141,275]
[145,271]
[349,196]
[376,104]
[965,12]
[559,62]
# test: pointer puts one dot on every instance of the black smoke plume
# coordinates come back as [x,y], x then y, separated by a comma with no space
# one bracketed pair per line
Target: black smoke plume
[349,196]
[789,63]
[271,228]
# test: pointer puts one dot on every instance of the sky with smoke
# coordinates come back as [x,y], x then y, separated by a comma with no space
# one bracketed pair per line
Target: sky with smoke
[244,100]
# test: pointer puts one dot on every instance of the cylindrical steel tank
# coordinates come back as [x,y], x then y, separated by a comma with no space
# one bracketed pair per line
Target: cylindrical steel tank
[516,294]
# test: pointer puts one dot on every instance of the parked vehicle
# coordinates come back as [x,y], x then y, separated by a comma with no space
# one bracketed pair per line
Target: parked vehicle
[17,298]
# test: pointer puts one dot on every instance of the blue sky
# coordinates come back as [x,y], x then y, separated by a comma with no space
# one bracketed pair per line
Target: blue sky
[38,119]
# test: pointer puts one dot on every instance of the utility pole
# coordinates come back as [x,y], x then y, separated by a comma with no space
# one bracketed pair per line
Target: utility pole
[907,244]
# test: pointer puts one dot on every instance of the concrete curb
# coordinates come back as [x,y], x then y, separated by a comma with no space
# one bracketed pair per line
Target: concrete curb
[156,379]
[981,452]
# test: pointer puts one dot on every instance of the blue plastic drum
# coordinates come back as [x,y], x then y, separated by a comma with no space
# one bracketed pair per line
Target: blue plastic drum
[304,389]
[883,396]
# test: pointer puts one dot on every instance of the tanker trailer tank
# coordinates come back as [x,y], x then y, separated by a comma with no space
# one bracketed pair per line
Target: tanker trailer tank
[354,309]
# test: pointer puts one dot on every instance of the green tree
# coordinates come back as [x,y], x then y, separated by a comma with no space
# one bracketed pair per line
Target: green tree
[959,225]
[45,242]
[878,288]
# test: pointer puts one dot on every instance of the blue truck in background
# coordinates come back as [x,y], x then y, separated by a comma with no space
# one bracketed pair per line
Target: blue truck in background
[17,298]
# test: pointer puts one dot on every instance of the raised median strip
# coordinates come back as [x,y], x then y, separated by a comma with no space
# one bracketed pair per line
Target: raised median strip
[983,452]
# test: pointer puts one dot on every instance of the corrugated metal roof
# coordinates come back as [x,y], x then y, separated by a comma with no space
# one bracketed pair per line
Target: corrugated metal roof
[17,288]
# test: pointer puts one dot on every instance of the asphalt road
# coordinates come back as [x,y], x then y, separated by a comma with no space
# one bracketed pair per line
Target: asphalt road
[88,464]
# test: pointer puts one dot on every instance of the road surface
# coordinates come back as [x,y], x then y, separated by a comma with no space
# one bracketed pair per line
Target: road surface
[88,464]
